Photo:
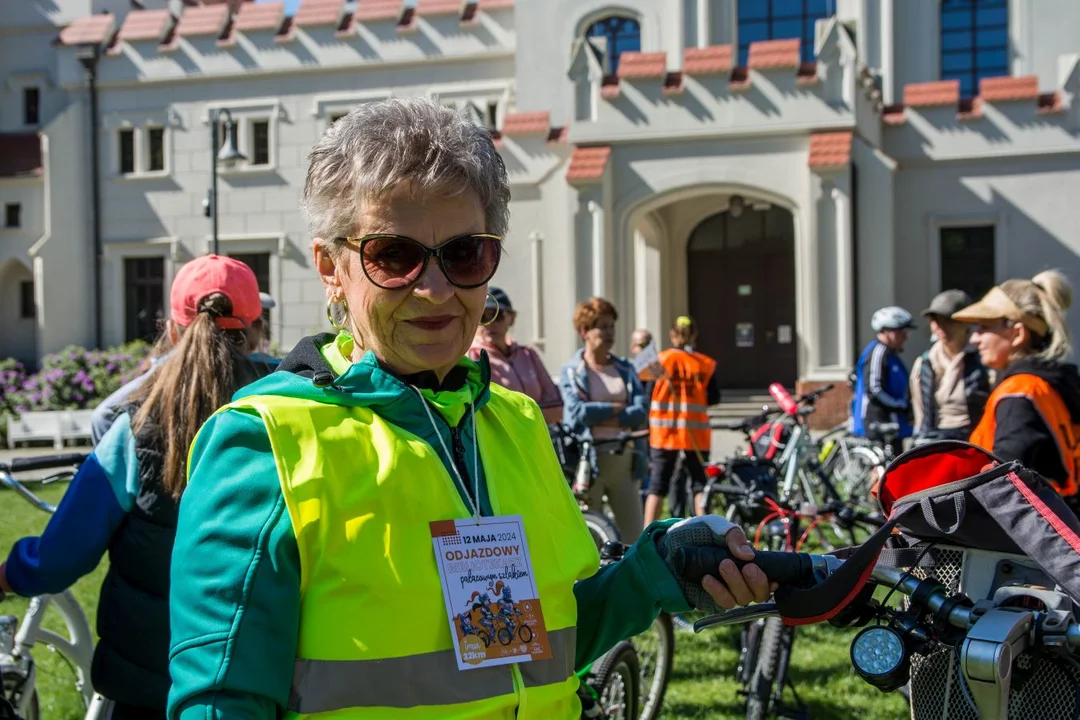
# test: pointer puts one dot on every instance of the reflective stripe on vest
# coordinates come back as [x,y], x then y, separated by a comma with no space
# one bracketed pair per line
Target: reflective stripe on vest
[373,629]
[1054,413]
[331,685]
[679,412]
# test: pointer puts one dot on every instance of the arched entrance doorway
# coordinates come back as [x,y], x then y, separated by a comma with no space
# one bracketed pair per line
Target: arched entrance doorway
[18,324]
[741,274]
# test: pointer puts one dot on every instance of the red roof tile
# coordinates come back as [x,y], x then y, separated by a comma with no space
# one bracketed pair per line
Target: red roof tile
[20,155]
[205,20]
[930,94]
[379,10]
[496,4]
[1006,89]
[893,115]
[319,12]
[642,65]
[88,30]
[1050,103]
[259,16]
[143,25]
[769,54]
[588,163]
[707,61]
[526,123]
[439,7]
[830,150]
[609,87]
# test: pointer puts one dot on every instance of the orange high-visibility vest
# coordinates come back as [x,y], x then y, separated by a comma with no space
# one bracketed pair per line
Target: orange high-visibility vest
[678,415]
[1053,410]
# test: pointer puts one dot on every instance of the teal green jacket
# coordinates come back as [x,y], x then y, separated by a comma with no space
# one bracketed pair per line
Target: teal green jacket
[235,589]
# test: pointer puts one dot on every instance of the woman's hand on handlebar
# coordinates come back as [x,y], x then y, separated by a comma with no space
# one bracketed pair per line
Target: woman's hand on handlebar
[730,586]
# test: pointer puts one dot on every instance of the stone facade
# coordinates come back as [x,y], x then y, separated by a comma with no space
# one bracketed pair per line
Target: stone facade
[636,175]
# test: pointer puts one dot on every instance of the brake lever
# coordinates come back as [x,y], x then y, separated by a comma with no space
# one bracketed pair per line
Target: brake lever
[738,616]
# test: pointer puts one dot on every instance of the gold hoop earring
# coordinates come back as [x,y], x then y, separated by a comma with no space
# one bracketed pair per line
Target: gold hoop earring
[497,311]
[344,323]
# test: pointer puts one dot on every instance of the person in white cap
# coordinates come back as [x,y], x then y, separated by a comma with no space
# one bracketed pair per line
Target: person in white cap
[881,378]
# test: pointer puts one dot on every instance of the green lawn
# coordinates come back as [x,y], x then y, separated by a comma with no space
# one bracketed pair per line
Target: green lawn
[701,686]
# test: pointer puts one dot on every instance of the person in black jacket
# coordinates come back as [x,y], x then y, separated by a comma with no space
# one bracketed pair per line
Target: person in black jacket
[124,500]
[1033,414]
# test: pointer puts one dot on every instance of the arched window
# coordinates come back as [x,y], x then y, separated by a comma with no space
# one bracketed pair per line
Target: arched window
[974,42]
[781,20]
[622,34]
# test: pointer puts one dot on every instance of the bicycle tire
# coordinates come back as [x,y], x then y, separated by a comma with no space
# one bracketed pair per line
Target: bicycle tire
[526,634]
[484,638]
[653,689]
[601,528]
[505,633]
[766,671]
[618,673]
[10,680]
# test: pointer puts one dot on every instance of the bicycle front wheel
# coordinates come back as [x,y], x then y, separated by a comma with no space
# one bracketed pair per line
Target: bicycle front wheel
[767,670]
[601,528]
[656,653]
[618,679]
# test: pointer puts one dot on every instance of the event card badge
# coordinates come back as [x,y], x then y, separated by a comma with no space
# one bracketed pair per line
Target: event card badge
[490,591]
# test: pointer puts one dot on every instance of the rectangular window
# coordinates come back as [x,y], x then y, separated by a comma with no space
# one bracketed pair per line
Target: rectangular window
[12,215]
[260,142]
[127,151]
[974,42]
[968,259]
[761,20]
[31,106]
[144,298]
[27,306]
[156,141]
[260,265]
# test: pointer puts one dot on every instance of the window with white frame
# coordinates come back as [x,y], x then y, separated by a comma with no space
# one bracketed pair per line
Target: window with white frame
[12,215]
[31,105]
[255,131]
[141,150]
[259,142]
[155,149]
[125,147]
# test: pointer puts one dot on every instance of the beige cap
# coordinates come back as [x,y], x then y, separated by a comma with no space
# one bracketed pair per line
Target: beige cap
[997,305]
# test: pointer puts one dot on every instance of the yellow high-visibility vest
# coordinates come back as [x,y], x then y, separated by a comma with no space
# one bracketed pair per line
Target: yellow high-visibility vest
[374,638]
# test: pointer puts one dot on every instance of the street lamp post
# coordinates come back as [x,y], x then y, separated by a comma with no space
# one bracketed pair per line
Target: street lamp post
[227,155]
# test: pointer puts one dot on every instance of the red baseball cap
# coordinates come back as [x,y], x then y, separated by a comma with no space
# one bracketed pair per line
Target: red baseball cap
[211,274]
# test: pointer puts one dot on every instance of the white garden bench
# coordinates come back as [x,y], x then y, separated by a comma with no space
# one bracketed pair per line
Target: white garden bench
[56,426]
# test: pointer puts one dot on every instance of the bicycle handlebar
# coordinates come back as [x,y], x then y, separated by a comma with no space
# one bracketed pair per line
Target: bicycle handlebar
[791,569]
[45,462]
[12,484]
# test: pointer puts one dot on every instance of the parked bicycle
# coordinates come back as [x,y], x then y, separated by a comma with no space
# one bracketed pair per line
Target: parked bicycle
[573,453]
[630,680]
[18,638]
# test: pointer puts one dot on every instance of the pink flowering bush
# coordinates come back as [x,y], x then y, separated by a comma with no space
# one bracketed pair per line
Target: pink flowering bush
[72,379]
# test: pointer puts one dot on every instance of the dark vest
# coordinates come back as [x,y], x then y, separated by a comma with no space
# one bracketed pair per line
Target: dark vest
[976,390]
[131,662]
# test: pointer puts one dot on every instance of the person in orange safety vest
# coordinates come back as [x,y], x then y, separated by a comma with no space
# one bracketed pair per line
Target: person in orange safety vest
[1033,414]
[679,418]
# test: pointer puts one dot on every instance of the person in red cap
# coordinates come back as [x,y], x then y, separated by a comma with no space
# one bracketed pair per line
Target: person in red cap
[125,498]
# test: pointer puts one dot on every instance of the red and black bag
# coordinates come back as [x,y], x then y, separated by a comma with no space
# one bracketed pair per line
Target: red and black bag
[955,492]
[768,440]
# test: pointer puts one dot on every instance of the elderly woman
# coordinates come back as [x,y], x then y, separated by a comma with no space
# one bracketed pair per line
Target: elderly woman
[515,367]
[305,577]
[604,399]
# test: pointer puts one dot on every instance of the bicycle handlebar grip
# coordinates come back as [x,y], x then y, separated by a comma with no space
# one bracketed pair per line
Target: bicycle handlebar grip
[786,568]
[46,462]
[783,398]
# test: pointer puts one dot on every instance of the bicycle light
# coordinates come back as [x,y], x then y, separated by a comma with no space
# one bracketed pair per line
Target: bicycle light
[881,658]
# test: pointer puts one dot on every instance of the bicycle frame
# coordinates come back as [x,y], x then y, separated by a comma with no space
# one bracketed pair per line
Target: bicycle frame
[77,648]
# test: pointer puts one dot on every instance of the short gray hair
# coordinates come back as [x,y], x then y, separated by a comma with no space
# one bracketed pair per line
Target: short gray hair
[379,145]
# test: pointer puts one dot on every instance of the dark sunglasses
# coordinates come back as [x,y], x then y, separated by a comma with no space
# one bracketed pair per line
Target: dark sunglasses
[395,262]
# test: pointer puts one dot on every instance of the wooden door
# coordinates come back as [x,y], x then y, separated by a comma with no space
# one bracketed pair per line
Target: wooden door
[742,294]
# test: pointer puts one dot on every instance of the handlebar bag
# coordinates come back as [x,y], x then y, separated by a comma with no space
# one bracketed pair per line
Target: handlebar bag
[768,440]
[952,490]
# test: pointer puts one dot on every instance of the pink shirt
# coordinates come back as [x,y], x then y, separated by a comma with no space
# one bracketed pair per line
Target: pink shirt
[522,370]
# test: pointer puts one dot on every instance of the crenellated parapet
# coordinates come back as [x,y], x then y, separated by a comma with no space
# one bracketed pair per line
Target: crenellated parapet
[216,41]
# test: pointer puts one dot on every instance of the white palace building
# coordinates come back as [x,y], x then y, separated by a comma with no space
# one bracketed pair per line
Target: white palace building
[777,168]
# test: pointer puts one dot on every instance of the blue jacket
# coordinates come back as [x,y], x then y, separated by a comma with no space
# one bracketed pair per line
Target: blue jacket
[580,413]
[881,390]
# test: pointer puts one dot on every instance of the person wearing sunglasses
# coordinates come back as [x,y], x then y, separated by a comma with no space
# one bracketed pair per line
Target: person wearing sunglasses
[1033,413]
[305,577]
[514,366]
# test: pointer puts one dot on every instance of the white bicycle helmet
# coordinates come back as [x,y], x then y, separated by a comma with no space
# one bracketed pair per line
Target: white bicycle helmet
[891,318]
